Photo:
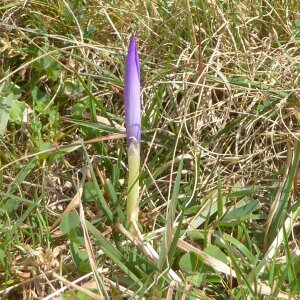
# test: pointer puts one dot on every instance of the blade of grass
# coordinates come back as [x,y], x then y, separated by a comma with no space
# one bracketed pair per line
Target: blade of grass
[284,199]
[167,238]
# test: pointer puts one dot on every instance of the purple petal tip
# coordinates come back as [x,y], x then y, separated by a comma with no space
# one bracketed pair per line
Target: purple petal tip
[132,94]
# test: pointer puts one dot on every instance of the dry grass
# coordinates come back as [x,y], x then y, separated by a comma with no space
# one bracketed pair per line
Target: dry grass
[220,150]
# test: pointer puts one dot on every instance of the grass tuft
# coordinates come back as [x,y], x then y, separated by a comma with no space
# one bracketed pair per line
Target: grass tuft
[219,212]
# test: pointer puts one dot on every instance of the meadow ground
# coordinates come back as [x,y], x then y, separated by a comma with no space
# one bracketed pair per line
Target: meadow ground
[219,212]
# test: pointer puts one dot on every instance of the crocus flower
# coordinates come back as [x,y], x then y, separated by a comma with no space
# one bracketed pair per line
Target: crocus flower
[133,128]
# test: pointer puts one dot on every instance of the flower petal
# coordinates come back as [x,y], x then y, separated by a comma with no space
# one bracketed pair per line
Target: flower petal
[132,88]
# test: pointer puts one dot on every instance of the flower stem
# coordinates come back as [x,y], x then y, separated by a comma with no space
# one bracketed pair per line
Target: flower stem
[133,182]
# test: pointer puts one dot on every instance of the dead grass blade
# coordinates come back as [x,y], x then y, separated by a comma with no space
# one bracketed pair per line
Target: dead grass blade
[288,225]
[171,288]
[77,287]
[145,247]
[264,289]
[89,247]
[75,200]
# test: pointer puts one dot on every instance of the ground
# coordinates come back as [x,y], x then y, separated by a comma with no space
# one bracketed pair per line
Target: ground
[219,211]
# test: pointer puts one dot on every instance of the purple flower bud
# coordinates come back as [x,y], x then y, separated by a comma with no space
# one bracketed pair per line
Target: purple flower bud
[132,94]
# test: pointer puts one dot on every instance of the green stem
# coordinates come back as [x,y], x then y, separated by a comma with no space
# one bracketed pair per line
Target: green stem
[133,182]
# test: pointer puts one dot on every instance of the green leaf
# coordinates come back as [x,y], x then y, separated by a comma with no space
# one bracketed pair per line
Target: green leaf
[215,252]
[241,212]
[213,208]
[8,94]
[73,88]
[5,108]
[69,222]
[3,259]
[89,192]
[53,71]
[17,110]
[48,65]
[243,193]
[80,258]
[196,280]
[78,109]
[297,24]
[239,246]
[41,99]
[190,262]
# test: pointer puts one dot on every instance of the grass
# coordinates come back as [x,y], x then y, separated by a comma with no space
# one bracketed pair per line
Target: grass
[219,215]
